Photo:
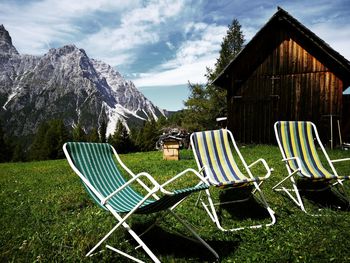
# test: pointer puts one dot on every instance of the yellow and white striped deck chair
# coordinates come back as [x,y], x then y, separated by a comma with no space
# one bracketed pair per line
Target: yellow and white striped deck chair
[215,160]
[296,140]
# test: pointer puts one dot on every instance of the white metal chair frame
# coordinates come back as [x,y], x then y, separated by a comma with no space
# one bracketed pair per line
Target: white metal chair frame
[293,175]
[158,188]
[210,205]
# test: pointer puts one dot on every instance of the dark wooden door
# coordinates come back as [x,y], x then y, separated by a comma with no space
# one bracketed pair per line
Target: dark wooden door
[253,118]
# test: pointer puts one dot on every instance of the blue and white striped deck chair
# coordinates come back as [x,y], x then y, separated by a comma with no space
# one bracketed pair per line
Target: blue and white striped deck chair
[215,160]
[96,167]
[296,140]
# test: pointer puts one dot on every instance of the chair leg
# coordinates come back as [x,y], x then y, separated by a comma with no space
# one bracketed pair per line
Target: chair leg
[185,224]
[142,244]
[339,185]
[133,234]
[213,214]
[297,198]
[267,206]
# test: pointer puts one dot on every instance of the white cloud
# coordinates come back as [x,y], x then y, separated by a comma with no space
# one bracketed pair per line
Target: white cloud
[139,27]
[193,72]
[154,13]
[116,46]
[33,25]
[337,38]
[192,57]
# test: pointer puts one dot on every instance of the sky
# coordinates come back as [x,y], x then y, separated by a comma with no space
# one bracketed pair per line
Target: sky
[160,45]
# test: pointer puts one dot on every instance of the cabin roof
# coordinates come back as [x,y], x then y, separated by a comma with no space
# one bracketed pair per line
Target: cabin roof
[244,63]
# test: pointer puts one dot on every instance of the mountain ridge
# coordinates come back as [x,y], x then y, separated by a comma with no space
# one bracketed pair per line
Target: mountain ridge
[65,83]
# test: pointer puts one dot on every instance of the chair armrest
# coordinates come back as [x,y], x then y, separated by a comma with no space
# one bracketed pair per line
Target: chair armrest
[136,177]
[201,178]
[340,160]
[298,163]
[268,169]
[286,160]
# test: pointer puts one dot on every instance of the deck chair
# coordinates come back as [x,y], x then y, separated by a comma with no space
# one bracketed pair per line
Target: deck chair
[215,160]
[95,165]
[296,141]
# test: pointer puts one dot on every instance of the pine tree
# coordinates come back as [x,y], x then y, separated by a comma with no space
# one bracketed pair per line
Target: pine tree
[103,131]
[121,139]
[54,139]
[79,134]
[63,136]
[231,45]
[4,147]
[37,149]
[148,136]
[48,141]
[93,136]
[196,115]
[18,153]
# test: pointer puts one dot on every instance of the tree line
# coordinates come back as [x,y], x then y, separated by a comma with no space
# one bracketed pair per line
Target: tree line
[51,135]
[204,104]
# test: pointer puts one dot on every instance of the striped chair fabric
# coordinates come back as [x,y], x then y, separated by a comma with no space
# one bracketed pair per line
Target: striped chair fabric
[95,161]
[213,151]
[297,140]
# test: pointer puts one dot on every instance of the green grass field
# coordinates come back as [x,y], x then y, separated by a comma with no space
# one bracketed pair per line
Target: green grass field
[46,216]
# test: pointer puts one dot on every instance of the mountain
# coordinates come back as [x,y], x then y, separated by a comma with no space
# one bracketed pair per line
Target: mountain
[66,84]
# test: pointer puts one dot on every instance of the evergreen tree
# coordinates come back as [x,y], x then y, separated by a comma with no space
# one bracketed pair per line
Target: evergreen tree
[177,118]
[79,134]
[103,131]
[48,141]
[231,45]
[198,106]
[148,136]
[134,135]
[5,153]
[37,149]
[93,136]
[116,138]
[63,136]
[2,146]
[18,153]
[55,137]
[121,139]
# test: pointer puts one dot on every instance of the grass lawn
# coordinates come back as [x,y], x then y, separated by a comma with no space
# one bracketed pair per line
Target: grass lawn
[46,216]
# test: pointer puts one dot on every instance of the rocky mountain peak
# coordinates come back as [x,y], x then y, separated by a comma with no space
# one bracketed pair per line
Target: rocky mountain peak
[66,50]
[4,35]
[65,84]
[6,42]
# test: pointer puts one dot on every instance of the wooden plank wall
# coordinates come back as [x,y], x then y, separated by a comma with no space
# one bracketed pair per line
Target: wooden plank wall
[346,119]
[291,84]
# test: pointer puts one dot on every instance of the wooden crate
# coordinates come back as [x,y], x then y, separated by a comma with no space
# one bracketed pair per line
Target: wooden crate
[171,150]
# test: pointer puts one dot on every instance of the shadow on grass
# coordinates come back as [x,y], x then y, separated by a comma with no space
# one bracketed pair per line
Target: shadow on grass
[164,243]
[249,209]
[323,196]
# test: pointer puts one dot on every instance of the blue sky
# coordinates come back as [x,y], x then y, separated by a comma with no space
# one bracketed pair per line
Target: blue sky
[160,45]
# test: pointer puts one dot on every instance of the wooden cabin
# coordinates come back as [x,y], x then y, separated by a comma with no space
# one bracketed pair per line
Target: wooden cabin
[285,72]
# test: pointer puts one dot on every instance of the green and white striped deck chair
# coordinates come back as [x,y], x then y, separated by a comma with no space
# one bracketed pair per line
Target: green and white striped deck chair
[296,140]
[215,160]
[96,167]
